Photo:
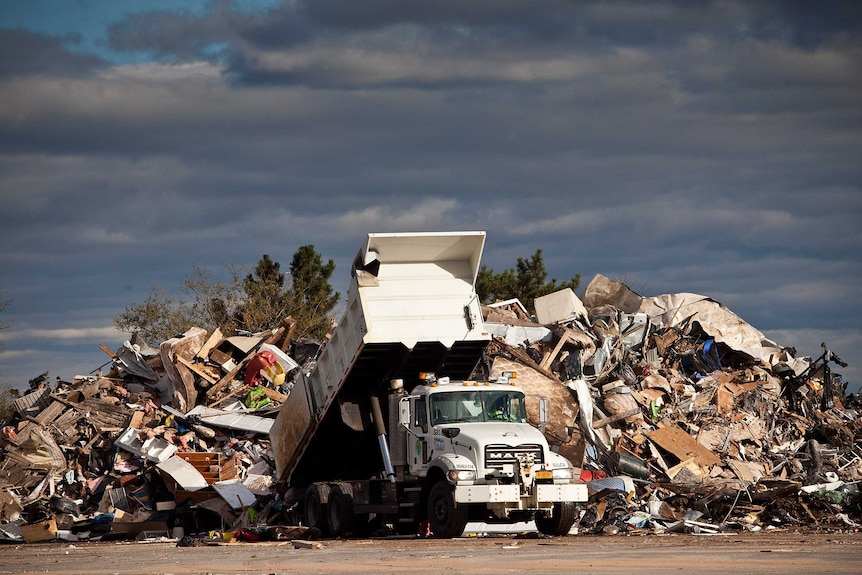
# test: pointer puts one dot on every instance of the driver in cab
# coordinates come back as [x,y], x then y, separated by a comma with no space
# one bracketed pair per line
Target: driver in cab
[499,410]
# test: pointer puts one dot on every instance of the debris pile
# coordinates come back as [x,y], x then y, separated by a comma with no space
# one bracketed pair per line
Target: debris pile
[681,415]
[169,440]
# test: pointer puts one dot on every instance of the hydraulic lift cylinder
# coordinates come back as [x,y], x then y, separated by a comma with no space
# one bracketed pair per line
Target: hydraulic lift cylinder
[381,438]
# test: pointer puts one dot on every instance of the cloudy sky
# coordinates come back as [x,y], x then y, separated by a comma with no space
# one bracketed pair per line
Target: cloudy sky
[707,147]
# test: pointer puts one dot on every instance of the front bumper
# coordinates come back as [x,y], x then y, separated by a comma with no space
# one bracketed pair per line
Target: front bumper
[542,494]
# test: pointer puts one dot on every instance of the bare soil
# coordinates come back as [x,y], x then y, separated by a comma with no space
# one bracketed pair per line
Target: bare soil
[774,552]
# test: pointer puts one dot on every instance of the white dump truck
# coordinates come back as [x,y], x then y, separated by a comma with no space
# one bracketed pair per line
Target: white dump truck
[386,426]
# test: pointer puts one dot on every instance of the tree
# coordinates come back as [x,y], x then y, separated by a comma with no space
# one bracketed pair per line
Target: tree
[215,302]
[38,382]
[7,404]
[252,302]
[527,281]
[311,298]
[160,317]
[265,296]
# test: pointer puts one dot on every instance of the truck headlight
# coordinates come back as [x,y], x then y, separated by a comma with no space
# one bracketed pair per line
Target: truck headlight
[563,474]
[462,475]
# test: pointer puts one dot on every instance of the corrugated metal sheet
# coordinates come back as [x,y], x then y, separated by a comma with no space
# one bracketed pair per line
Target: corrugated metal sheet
[232,419]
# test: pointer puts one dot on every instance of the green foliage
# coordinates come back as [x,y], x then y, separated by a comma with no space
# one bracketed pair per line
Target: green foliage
[252,302]
[527,281]
[160,317]
[38,381]
[215,302]
[311,299]
[265,298]
[8,395]
[7,404]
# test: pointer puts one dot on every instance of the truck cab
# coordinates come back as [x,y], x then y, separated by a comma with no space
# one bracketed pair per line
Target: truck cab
[480,458]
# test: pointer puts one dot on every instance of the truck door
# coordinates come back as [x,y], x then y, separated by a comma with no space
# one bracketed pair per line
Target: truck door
[419,455]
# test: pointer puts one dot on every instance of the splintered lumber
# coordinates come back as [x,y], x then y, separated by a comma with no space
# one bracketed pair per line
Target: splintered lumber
[614,418]
[683,446]
[210,343]
[196,368]
[215,390]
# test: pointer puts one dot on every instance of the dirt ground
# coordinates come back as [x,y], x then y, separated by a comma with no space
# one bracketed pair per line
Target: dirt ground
[775,552]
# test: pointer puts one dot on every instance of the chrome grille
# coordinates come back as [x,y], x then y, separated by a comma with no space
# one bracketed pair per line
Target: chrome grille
[498,455]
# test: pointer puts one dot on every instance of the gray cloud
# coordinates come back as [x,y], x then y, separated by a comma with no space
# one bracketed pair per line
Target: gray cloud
[26,53]
[340,43]
[709,147]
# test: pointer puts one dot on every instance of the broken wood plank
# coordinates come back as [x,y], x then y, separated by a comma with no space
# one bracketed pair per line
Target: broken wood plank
[290,324]
[750,471]
[137,420]
[241,389]
[110,353]
[211,342]
[614,418]
[683,446]
[549,358]
[227,379]
[689,464]
[274,395]
[303,544]
[196,368]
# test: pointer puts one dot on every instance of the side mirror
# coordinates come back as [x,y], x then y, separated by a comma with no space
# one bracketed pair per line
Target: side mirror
[404,412]
[544,408]
[451,432]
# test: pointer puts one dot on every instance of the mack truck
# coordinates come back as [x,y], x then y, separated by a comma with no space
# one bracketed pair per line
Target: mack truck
[386,426]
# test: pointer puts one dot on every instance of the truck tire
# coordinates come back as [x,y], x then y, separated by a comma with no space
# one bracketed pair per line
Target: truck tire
[446,518]
[340,512]
[560,521]
[316,504]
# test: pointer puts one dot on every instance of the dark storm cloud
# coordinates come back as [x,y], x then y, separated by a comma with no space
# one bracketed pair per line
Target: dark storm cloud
[25,53]
[176,35]
[808,24]
[623,22]
[289,43]
[703,147]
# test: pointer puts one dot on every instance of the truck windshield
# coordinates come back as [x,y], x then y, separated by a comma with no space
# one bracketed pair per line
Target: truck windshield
[474,406]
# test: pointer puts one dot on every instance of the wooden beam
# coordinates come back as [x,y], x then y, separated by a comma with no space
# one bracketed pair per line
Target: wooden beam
[213,341]
[223,382]
[110,353]
[241,389]
[290,324]
[614,418]
[196,368]
[274,395]
[549,359]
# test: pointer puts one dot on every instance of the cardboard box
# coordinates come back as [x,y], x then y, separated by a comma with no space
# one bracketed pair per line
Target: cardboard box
[43,531]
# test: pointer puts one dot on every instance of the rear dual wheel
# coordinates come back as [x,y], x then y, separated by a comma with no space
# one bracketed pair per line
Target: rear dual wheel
[340,513]
[329,508]
[317,506]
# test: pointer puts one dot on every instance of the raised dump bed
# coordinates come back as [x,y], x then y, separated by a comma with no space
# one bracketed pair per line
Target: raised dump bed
[411,308]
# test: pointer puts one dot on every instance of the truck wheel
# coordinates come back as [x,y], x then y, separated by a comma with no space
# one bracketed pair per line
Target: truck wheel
[560,521]
[446,517]
[316,503]
[340,514]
